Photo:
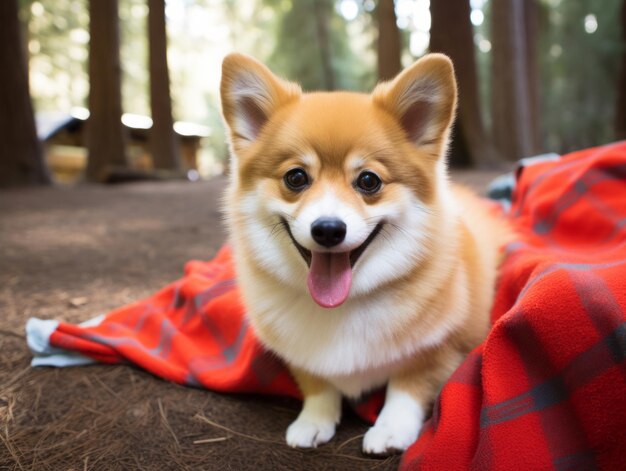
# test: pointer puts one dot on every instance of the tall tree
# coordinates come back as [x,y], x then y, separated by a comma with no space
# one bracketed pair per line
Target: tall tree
[163,143]
[513,110]
[451,33]
[106,140]
[312,45]
[531,21]
[389,45]
[21,156]
[582,47]
[321,14]
[620,118]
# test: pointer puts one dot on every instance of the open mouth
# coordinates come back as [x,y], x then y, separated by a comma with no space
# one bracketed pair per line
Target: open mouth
[330,273]
[354,254]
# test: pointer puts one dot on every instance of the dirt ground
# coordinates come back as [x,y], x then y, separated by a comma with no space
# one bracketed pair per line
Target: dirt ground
[73,253]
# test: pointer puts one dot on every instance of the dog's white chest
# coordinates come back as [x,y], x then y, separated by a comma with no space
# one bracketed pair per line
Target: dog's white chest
[350,346]
[355,384]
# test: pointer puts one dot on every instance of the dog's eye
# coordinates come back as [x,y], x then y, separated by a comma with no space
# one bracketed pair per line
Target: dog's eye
[296,179]
[368,182]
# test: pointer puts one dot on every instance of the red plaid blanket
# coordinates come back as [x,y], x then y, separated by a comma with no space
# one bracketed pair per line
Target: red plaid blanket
[547,388]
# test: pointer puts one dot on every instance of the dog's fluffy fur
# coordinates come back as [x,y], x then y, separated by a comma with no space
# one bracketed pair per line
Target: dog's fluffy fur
[418,297]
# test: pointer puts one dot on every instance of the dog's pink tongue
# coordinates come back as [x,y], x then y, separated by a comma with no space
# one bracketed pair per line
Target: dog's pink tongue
[330,278]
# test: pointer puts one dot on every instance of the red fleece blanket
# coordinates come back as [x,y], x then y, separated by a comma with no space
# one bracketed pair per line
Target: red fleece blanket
[547,388]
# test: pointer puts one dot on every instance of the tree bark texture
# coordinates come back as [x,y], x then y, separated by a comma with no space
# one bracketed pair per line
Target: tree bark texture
[514,125]
[389,42]
[620,117]
[321,16]
[21,156]
[106,139]
[164,145]
[531,18]
[451,33]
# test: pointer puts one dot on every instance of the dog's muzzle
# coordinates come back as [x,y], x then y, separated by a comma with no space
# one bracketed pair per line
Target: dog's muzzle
[330,233]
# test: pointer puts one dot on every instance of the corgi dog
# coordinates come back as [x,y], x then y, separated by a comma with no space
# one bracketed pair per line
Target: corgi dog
[359,264]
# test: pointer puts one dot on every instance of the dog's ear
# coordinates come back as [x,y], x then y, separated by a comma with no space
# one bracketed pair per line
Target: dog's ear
[250,94]
[423,100]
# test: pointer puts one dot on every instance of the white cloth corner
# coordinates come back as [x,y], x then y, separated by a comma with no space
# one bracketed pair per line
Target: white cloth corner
[38,332]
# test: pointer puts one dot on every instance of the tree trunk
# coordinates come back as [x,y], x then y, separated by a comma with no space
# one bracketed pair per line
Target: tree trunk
[451,33]
[514,125]
[106,140]
[320,10]
[531,16]
[21,156]
[164,145]
[389,44]
[620,118]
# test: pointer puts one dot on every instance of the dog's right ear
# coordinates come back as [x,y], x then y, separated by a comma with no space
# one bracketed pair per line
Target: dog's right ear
[423,100]
[250,94]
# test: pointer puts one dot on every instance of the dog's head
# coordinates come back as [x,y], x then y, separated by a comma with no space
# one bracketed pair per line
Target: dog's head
[336,191]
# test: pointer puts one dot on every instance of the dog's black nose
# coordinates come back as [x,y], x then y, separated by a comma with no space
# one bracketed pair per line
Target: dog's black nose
[328,231]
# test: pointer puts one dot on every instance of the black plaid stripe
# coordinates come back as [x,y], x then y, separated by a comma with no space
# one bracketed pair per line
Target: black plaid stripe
[203,364]
[561,427]
[484,456]
[582,461]
[603,355]
[266,367]
[572,267]
[230,352]
[605,312]
[218,289]
[618,221]
[550,389]
[469,372]
[208,322]
[564,168]
[597,299]
[178,299]
[162,348]
[194,305]
[578,190]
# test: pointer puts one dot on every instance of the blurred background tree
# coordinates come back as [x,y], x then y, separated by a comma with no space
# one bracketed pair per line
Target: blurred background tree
[451,32]
[105,136]
[312,45]
[579,59]
[389,44]
[21,158]
[535,76]
[620,115]
[515,116]
[163,140]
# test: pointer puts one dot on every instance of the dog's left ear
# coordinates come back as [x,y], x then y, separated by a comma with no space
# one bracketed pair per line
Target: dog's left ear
[250,95]
[423,99]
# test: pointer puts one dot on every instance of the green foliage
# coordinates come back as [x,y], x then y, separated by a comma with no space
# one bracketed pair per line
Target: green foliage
[312,46]
[57,39]
[134,56]
[579,71]
[58,43]
[309,42]
[483,64]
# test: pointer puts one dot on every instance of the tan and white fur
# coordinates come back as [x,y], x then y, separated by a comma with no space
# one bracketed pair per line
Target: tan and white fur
[421,290]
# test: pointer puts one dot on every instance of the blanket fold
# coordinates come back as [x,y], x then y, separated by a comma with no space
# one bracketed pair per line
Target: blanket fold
[547,388]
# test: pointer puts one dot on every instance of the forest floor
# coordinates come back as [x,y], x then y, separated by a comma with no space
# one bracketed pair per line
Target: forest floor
[73,253]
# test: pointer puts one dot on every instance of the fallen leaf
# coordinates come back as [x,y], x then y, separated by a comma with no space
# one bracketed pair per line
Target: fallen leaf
[78,302]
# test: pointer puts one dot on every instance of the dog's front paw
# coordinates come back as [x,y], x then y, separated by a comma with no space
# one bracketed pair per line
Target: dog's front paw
[390,437]
[397,426]
[309,432]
